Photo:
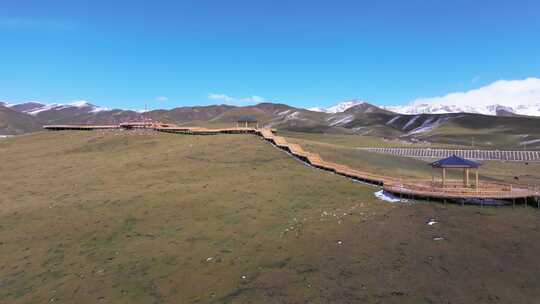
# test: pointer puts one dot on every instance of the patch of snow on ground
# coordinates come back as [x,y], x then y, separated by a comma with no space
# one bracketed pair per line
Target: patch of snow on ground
[425,127]
[294,115]
[391,121]
[366,132]
[428,125]
[360,128]
[99,109]
[385,196]
[410,122]
[44,108]
[343,120]
[528,142]
[284,112]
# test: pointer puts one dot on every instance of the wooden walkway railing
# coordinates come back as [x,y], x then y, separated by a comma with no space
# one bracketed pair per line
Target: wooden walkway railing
[391,184]
[487,190]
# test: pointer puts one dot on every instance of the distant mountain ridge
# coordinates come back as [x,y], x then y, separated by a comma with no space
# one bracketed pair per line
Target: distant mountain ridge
[13,122]
[34,108]
[493,109]
[425,108]
[80,107]
[502,98]
[352,117]
[340,107]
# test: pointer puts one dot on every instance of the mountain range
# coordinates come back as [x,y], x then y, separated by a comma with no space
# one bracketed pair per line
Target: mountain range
[443,108]
[351,117]
[492,109]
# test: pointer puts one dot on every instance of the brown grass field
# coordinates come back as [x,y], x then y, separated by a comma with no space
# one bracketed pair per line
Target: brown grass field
[342,149]
[139,217]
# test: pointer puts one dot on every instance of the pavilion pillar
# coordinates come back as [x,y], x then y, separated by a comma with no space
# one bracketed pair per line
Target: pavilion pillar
[443,177]
[477,179]
[246,124]
[466,177]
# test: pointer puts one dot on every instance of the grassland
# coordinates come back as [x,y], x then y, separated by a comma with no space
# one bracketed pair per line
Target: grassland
[343,149]
[136,217]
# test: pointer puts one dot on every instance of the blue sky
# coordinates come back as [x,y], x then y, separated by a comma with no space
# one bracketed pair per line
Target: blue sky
[303,53]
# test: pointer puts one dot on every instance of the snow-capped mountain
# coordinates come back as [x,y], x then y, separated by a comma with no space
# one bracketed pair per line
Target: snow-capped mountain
[34,108]
[26,107]
[494,110]
[503,97]
[317,109]
[340,107]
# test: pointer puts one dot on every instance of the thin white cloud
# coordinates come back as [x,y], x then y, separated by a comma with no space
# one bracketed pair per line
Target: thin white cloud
[162,98]
[502,92]
[235,100]
[517,96]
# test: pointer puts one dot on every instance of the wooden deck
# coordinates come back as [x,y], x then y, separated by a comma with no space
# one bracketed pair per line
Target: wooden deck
[419,189]
[456,190]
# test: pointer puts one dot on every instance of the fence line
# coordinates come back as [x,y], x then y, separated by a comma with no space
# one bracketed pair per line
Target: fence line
[500,155]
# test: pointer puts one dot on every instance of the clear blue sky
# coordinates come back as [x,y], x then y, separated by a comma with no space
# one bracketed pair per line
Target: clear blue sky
[304,53]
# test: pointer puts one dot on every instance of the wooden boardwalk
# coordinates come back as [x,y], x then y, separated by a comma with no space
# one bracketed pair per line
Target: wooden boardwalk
[80,128]
[501,155]
[419,189]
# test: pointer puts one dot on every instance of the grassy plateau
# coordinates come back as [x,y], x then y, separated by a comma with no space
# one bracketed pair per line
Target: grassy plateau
[141,217]
[344,149]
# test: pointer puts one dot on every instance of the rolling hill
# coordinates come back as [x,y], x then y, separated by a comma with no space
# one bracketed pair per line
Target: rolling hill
[14,123]
[131,217]
[354,117]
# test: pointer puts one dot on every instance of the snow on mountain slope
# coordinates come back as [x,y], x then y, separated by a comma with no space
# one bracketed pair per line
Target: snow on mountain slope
[34,108]
[340,120]
[26,107]
[428,125]
[317,109]
[411,122]
[503,97]
[495,109]
[340,107]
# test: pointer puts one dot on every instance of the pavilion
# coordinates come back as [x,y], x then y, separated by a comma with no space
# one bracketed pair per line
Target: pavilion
[456,162]
[247,120]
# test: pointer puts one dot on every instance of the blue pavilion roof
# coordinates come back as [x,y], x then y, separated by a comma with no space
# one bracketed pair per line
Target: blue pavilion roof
[455,162]
[247,118]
